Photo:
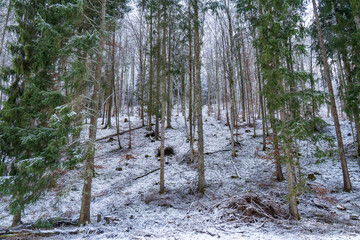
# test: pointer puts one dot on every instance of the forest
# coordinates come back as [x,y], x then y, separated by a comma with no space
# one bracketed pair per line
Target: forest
[179,119]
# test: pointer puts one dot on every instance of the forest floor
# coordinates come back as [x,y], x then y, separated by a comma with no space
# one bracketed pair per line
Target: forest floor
[131,208]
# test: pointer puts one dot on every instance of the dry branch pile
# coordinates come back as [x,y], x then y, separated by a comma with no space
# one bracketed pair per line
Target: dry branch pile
[252,208]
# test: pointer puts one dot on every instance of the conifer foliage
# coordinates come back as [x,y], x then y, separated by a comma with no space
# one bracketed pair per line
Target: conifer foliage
[36,121]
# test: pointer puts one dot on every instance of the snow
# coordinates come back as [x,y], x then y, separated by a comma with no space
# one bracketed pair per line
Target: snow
[139,212]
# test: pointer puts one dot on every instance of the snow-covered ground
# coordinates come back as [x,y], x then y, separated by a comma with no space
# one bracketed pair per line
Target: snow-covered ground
[137,211]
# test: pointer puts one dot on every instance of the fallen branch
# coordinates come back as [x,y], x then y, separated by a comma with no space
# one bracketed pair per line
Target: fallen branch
[63,222]
[237,173]
[121,133]
[144,175]
[39,233]
[225,150]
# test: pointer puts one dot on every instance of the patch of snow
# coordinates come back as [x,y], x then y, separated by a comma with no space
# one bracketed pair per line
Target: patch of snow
[137,211]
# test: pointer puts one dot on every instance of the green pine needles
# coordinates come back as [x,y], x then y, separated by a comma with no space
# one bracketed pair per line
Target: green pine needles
[37,121]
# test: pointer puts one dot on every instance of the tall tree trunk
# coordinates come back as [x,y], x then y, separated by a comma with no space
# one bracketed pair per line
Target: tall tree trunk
[191,134]
[150,104]
[122,78]
[325,91]
[291,175]
[354,108]
[209,93]
[158,79]
[251,104]
[111,82]
[132,88]
[142,59]
[218,99]
[279,173]
[226,95]
[183,103]
[346,177]
[16,219]
[103,105]
[209,74]
[89,162]
[169,83]
[178,100]
[4,29]
[242,76]
[231,82]
[239,78]
[201,165]
[261,101]
[340,73]
[163,102]
[129,122]
[117,120]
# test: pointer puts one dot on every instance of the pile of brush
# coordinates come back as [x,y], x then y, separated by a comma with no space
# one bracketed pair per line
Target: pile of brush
[251,208]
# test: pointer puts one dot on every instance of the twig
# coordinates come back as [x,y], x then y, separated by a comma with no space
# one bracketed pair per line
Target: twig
[137,237]
[163,228]
[190,207]
[237,173]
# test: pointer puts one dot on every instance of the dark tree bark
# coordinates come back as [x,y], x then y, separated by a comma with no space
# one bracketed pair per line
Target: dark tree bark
[346,177]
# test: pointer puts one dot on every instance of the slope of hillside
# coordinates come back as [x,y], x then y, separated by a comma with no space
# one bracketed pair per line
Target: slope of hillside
[126,182]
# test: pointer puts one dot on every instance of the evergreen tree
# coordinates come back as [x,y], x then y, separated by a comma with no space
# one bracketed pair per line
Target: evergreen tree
[338,25]
[36,121]
[279,32]
[346,177]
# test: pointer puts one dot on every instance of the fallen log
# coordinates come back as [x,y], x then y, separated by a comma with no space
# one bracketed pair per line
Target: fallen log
[31,233]
[35,233]
[121,133]
[225,150]
[32,230]
[63,222]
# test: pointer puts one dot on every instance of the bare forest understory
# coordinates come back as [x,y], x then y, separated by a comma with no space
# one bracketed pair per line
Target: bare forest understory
[242,200]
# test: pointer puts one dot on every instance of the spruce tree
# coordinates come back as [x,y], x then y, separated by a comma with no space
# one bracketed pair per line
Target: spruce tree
[36,120]
[346,177]
[339,31]
[279,34]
